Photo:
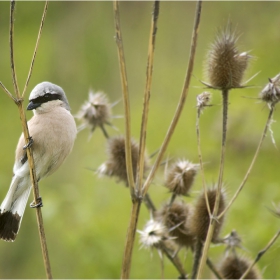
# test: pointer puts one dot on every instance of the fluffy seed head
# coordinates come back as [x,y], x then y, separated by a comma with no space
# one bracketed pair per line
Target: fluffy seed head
[200,220]
[225,65]
[232,241]
[96,111]
[153,234]
[116,163]
[203,100]
[233,267]
[271,92]
[176,220]
[181,176]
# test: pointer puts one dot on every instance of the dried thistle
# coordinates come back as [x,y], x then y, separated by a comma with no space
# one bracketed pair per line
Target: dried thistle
[225,65]
[203,100]
[271,92]
[180,177]
[234,266]
[176,220]
[116,163]
[96,112]
[232,241]
[200,220]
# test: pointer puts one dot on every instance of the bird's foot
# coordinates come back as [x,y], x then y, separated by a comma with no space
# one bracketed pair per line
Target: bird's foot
[38,203]
[29,144]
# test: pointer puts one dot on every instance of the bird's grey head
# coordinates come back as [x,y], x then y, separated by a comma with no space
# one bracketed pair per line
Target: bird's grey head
[46,92]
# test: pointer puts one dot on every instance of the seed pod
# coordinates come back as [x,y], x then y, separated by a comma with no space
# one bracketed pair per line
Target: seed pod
[180,177]
[200,220]
[116,163]
[176,220]
[225,65]
[233,267]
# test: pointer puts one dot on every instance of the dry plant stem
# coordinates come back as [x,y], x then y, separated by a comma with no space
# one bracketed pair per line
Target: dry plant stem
[219,187]
[181,103]
[149,72]
[252,163]
[261,253]
[29,149]
[201,161]
[130,237]
[197,256]
[213,268]
[128,157]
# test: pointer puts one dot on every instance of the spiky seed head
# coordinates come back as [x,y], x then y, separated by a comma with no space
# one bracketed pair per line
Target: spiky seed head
[225,65]
[203,100]
[153,234]
[96,111]
[176,220]
[180,177]
[232,241]
[200,220]
[271,92]
[116,164]
[233,267]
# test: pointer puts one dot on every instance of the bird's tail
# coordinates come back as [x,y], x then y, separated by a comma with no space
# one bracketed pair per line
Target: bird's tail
[12,208]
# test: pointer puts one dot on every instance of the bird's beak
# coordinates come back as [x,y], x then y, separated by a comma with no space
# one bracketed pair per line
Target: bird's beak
[32,105]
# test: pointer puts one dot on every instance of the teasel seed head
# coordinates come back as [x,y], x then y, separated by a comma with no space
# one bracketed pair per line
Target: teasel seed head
[180,177]
[95,112]
[200,220]
[232,241]
[176,220]
[203,100]
[153,234]
[271,92]
[234,266]
[115,166]
[225,65]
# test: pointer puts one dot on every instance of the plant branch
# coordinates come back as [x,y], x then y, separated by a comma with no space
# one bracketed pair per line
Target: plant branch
[128,157]
[149,73]
[181,103]
[252,163]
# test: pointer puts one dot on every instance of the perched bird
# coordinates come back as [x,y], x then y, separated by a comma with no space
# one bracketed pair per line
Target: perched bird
[53,131]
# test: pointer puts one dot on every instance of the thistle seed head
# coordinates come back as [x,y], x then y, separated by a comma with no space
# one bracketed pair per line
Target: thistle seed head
[176,220]
[271,92]
[116,164]
[180,177]
[153,234]
[225,65]
[96,111]
[203,100]
[233,267]
[200,220]
[232,241]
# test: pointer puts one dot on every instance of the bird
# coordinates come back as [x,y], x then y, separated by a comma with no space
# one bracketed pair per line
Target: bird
[53,131]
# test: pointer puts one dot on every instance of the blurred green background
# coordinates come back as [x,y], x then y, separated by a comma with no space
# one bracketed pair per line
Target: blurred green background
[85,216]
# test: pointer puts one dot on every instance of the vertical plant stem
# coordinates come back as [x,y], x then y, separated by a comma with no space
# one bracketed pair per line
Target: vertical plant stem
[29,148]
[147,94]
[182,100]
[252,163]
[197,256]
[128,157]
[213,220]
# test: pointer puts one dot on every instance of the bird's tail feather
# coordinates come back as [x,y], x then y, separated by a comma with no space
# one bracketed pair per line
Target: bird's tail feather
[12,208]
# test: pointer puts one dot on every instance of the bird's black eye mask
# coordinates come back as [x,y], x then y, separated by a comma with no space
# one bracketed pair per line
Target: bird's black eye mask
[36,102]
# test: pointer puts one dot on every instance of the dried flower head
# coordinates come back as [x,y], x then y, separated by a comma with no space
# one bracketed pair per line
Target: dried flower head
[200,220]
[225,65]
[234,266]
[180,177]
[153,234]
[176,220]
[95,112]
[232,241]
[203,100]
[271,92]
[116,163]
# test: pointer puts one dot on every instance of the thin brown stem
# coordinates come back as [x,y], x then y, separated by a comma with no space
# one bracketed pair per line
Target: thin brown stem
[8,93]
[219,187]
[128,157]
[181,103]
[260,254]
[29,148]
[197,256]
[36,48]
[252,163]
[147,94]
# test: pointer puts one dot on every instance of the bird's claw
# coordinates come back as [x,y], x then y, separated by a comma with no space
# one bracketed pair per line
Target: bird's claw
[38,203]
[29,144]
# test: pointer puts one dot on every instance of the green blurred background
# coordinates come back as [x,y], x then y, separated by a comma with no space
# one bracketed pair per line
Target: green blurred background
[85,216]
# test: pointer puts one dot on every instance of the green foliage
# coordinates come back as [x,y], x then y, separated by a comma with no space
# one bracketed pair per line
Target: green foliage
[86,217]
